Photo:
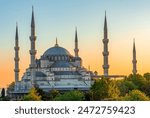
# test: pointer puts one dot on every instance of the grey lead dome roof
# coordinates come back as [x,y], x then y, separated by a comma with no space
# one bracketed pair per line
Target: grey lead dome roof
[56,50]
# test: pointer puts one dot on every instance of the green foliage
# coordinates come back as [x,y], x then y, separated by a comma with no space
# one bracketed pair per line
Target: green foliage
[146,88]
[70,96]
[137,79]
[99,89]
[135,95]
[113,90]
[104,89]
[88,95]
[44,95]
[32,95]
[147,76]
[6,98]
[125,86]
[54,93]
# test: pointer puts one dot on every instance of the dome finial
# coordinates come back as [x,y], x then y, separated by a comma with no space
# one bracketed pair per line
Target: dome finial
[56,42]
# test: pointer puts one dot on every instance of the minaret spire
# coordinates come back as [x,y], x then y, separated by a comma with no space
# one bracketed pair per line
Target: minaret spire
[32,20]
[105,51]
[105,27]
[16,59]
[134,61]
[76,50]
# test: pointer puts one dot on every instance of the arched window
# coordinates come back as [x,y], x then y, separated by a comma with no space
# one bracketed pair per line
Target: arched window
[59,57]
[63,58]
[52,58]
[55,58]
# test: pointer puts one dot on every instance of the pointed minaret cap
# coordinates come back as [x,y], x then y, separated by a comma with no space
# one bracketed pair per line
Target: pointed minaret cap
[133,44]
[133,40]
[134,61]
[16,31]
[76,36]
[32,20]
[105,24]
[16,24]
[56,45]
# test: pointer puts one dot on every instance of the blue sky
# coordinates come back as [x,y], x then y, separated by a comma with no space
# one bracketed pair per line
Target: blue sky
[127,19]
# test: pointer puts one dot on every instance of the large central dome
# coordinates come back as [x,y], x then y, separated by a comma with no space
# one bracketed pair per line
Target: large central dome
[56,51]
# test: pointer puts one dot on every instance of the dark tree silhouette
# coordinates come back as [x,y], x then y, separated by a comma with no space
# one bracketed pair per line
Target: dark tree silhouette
[3,93]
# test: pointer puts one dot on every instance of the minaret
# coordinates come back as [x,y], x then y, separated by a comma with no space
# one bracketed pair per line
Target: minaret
[32,39]
[105,51]
[76,50]
[16,59]
[134,61]
[32,50]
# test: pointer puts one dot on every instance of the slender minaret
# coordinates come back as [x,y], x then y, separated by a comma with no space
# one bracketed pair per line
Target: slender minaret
[105,51]
[16,59]
[134,61]
[32,39]
[32,50]
[76,50]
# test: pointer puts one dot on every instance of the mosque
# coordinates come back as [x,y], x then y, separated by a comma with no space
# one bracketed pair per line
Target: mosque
[57,68]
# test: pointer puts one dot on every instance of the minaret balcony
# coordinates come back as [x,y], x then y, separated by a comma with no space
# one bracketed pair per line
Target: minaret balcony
[134,61]
[32,38]
[16,70]
[105,53]
[76,50]
[105,40]
[16,48]
[32,52]
[106,66]
[16,59]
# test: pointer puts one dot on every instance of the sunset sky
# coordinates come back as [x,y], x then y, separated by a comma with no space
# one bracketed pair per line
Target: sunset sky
[127,19]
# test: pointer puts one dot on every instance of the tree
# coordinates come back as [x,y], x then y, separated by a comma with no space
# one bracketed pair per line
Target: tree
[99,89]
[146,88]
[136,95]
[113,90]
[88,95]
[125,86]
[138,80]
[32,95]
[147,76]
[54,93]
[3,93]
[74,95]
[105,89]
[44,95]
